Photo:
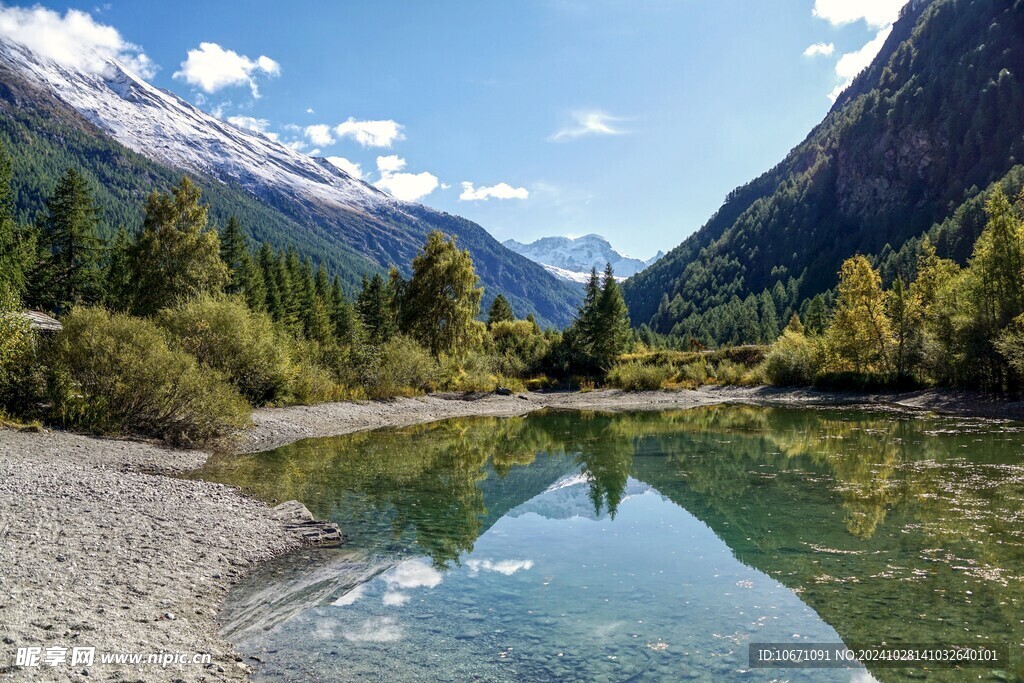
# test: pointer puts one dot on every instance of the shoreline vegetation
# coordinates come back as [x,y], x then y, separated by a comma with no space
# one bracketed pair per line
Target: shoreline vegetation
[80,509]
[179,331]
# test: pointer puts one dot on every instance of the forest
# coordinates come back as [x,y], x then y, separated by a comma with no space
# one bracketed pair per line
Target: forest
[178,330]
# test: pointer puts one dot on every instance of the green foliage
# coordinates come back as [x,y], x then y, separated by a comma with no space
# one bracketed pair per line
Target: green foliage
[637,376]
[115,374]
[935,117]
[439,304]
[226,335]
[374,307]
[500,311]
[601,332]
[70,268]
[17,353]
[400,366]
[793,360]
[176,256]
[860,335]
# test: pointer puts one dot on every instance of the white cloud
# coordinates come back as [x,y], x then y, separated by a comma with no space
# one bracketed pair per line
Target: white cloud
[376,630]
[413,574]
[852,63]
[351,597]
[395,599]
[820,50]
[310,110]
[249,123]
[875,13]
[499,191]
[211,68]
[506,567]
[408,187]
[297,145]
[390,164]
[589,123]
[370,133]
[74,40]
[319,134]
[350,167]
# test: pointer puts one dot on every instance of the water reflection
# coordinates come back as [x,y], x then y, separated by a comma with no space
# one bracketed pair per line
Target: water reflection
[889,527]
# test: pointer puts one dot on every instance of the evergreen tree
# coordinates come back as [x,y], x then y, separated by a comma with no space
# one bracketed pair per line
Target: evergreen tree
[444,296]
[374,309]
[267,261]
[242,273]
[587,324]
[176,256]
[612,332]
[343,316]
[500,311]
[769,318]
[118,276]
[14,253]
[72,248]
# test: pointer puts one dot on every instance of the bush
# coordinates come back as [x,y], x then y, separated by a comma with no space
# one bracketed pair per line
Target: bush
[18,358]
[308,380]
[636,376]
[730,373]
[398,367]
[224,334]
[793,360]
[115,374]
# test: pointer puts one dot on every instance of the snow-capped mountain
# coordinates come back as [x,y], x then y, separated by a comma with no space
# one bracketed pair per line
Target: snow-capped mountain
[312,194]
[569,497]
[573,258]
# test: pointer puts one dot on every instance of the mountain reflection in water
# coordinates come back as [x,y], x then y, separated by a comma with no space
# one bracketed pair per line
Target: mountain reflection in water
[647,545]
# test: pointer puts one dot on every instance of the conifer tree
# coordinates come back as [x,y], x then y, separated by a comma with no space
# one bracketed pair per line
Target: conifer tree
[267,261]
[374,309]
[14,253]
[612,333]
[500,311]
[118,276]
[177,255]
[73,250]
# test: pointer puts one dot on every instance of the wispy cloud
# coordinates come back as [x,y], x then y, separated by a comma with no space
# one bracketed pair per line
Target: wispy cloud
[74,40]
[210,68]
[589,123]
[320,134]
[499,191]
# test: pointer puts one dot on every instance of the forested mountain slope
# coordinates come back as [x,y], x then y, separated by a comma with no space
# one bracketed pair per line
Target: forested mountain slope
[130,138]
[937,117]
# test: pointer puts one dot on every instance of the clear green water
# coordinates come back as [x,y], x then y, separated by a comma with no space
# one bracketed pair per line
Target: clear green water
[636,547]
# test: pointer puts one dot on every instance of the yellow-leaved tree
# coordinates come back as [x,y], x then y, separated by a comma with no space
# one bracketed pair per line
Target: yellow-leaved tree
[860,336]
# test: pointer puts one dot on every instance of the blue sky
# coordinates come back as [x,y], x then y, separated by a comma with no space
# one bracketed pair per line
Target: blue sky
[632,119]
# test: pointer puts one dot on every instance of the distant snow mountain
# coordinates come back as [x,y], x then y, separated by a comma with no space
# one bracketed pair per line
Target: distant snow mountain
[573,258]
[569,498]
[322,199]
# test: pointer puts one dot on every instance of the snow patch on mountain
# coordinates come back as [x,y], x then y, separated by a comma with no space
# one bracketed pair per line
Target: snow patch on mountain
[573,258]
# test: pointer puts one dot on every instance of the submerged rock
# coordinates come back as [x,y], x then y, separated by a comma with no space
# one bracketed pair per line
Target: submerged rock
[299,521]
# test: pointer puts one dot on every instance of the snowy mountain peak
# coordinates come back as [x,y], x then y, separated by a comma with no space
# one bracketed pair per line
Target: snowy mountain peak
[572,258]
[167,129]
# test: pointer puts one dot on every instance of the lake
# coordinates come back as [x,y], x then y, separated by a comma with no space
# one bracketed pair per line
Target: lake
[640,546]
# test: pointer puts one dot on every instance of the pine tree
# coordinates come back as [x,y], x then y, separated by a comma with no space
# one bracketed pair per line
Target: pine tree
[769,318]
[14,253]
[374,309]
[500,311]
[235,254]
[587,323]
[118,275]
[612,333]
[267,261]
[72,245]
[176,256]
[343,316]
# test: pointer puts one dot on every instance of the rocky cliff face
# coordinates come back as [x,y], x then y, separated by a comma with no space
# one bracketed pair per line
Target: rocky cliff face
[937,117]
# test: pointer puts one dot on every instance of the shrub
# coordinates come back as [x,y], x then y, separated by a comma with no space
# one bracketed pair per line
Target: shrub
[398,367]
[695,373]
[18,359]
[115,374]
[730,373]
[636,376]
[793,360]
[224,334]
[308,380]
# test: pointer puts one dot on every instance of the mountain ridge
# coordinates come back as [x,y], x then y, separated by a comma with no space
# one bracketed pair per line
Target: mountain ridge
[318,207]
[935,118]
[572,258]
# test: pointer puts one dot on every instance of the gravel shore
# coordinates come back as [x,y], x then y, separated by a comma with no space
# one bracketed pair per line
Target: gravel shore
[99,547]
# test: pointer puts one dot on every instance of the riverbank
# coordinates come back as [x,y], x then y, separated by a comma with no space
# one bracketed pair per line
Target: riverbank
[102,548]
